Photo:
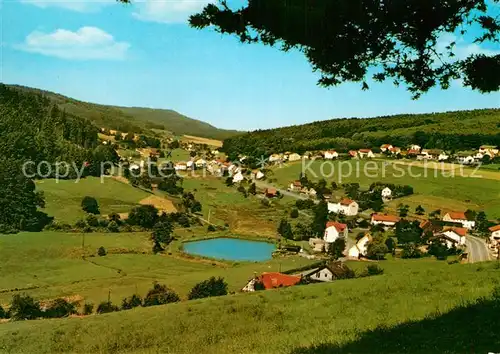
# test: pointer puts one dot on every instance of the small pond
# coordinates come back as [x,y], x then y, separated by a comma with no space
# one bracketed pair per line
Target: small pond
[231,249]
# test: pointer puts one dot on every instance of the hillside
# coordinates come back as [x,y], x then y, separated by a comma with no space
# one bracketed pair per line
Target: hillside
[133,119]
[462,130]
[433,307]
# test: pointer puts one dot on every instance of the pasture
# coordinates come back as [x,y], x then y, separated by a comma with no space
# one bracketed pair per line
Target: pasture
[63,198]
[434,189]
[347,316]
[50,264]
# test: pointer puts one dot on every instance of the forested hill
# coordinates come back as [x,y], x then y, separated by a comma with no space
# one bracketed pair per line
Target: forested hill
[459,130]
[133,119]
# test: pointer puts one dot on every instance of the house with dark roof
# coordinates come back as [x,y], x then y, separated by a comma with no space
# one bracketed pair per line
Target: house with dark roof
[328,272]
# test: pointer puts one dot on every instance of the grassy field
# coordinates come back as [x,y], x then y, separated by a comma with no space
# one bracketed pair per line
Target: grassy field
[63,199]
[432,189]
[411,308]
[50,264]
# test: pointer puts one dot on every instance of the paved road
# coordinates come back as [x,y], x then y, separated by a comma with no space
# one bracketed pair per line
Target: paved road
[477,249]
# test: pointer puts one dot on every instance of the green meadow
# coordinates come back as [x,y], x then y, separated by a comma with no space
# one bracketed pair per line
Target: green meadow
[63,198]
[421,306]
[50,264]
[433,189]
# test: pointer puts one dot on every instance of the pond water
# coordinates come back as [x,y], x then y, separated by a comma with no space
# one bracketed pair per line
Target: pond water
[231,249]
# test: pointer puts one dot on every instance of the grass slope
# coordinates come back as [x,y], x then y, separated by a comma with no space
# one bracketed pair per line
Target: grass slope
[412,308]
[63,199]
[431,191]
[134,119]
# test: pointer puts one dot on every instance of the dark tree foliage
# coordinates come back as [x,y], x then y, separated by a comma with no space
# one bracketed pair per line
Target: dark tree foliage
[162,234]
[90,205]
[208,288]
[24,307]
[355,40]
[144,216]
[106,307]
[131,302]
[408,232]
[285,229]
[336,249]
[320,218]
[101,251]
[19,201]
[59,308]
[160,295]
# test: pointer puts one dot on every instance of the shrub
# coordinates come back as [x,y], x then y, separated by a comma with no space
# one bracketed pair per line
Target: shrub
[101,252]
[113,227]
[160,295]
[373,269]
[24,307]
[131,302]
[144,216]
[211,228]
[106,307]
[88,308]
[80,224]
[208,288]
[3,313]
[92,221]
[59,308]
[104,222]
[90,205]
[114,217]
[183,221]
[294,214]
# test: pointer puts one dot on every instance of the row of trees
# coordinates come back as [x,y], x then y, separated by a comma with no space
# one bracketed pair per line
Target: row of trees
[24,307]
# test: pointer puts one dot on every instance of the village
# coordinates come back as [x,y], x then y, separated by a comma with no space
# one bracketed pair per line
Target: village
[351,231]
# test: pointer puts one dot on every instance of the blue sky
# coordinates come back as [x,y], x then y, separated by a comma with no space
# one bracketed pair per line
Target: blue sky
[146,55]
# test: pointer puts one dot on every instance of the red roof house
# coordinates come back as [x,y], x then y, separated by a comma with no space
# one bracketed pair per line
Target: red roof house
[277,280]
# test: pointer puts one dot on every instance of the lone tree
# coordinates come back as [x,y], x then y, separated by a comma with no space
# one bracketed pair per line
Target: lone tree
[336,249]
[90,205]
[407,42]
[162,235]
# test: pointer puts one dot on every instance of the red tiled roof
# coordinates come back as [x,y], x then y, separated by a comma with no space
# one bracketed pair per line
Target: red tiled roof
[494,228]
[385,146]
[458,230]
[353,153]
[384,217]
[297,183]
[395,149]
[276,280]
[346,201]
[413,152]
[340,227]
[424,224]
[365,150]
[271,191]
[457,215]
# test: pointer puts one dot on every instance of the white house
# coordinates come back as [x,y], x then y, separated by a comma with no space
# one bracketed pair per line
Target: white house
[189,165]
[317,244]
[395,150]
[365,153]
[465,159]
[295,186]
[454,236]
[443,157]
[346,206]
[386,193]
[180,166]
[238,177]
[257,174]
[485,149]
[335,230]
[331,154]
[326,273]
[385,147]
[459,218]
[360,248]
[415,147]
[294,157]
[200,163]
[384,219]
[275,158]
[495,234]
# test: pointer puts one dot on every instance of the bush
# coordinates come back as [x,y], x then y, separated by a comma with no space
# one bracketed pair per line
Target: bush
[114,217]
[92,221]
[373,269]
[59,308]
[208,288]
[113,227]
[24,307]
[3,313]
[80,224]
[90,205]
[160,295]
[294,214]
[88,308]
[131,302]
[101,252]
[211,228]
[106,307]
[104,223]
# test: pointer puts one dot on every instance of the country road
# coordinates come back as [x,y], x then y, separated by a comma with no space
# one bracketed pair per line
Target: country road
[477,249]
